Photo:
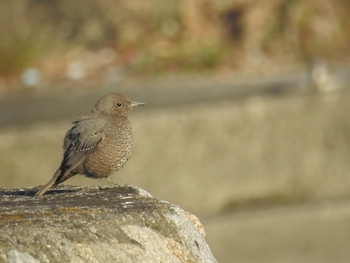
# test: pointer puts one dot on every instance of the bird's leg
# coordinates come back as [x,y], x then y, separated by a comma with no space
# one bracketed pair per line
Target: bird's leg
[110,181]
[103,185]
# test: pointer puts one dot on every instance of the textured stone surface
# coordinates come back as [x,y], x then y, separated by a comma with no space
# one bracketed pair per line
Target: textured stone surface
[114,224]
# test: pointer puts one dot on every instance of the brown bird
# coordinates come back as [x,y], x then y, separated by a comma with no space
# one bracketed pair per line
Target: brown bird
[98,143]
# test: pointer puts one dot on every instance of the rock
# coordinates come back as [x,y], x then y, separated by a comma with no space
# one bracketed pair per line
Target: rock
[111,224]
[15,256]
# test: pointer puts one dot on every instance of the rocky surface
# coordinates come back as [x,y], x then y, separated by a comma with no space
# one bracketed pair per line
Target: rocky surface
[113,224]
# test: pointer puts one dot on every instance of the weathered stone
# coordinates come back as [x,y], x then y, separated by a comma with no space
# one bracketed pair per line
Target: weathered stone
[113,224]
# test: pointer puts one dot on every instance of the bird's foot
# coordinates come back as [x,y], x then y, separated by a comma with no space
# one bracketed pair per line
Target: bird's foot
[111,183]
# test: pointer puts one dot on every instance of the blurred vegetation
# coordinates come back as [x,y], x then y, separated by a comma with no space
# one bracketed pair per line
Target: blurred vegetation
[157,35]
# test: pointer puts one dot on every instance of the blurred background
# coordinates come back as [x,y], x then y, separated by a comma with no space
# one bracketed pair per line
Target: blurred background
[246,123]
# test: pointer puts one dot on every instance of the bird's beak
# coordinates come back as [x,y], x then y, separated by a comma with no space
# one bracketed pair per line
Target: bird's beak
[137,104]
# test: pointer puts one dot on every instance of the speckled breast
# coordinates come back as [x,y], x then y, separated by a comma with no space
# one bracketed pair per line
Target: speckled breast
[112,153]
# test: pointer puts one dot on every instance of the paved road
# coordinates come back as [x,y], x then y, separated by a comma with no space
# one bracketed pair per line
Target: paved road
[307,233]
[157,92]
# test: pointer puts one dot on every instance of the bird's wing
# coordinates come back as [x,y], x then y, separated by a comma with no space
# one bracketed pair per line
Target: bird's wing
[81,139]
[84,135]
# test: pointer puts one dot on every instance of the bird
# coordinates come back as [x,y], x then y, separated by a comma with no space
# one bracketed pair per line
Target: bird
[98,143]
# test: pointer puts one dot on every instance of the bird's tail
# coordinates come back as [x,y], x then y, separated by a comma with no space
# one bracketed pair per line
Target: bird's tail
[54,181]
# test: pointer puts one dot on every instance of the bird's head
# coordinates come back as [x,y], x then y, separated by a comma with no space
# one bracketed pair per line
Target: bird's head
[115,105]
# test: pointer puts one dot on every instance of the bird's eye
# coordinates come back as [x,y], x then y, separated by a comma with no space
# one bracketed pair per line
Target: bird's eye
[118,104]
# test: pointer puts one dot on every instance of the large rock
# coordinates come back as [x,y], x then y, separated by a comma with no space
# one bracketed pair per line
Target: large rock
[114,224]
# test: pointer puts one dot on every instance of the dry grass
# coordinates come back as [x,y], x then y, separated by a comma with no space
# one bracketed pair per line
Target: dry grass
[154,36]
